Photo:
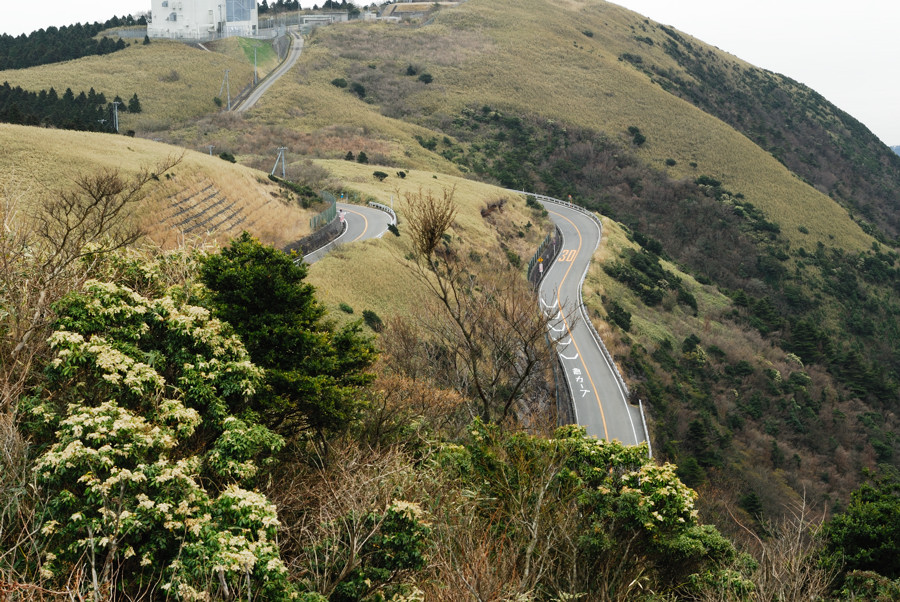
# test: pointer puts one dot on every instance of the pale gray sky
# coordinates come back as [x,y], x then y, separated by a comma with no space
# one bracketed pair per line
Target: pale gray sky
[849,51]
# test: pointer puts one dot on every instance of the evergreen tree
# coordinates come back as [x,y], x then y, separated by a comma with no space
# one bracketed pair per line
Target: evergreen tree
[312,369]
[134,105]
[866,536]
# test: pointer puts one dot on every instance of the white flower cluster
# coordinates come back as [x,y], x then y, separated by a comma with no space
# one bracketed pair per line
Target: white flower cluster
[411,509]
[254,506]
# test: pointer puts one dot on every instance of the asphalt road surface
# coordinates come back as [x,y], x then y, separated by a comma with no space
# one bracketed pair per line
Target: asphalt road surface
[291,59]
[601,403]
[362,223]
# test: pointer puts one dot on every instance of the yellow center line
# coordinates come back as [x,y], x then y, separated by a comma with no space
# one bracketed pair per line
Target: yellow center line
[566,322]
[365,228]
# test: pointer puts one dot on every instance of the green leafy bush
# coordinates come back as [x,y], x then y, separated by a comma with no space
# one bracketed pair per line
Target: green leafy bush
[637,138]
[372,320]
[143,458]
[358,89]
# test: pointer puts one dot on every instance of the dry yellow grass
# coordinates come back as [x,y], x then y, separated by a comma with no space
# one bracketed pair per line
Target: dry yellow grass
[374,274]
[174,81]
[532,57]
[304,102]
[241,49]
[36,162]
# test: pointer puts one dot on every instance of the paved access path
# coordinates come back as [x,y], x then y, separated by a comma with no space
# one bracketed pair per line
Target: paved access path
[599,394]
[362,223]
[285,66]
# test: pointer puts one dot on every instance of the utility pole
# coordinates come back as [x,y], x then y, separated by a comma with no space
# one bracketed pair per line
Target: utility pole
[226,85]
[255,77]
[281,150]
[116,104]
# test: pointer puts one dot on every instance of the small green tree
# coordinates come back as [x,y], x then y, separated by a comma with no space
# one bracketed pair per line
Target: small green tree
[134,105]
[312,369]
[866,536]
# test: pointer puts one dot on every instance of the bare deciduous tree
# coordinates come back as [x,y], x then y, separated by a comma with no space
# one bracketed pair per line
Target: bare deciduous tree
[487,321]
[788,567]
[48,253]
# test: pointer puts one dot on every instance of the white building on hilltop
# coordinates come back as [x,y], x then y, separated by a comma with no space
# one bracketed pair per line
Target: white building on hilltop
[202,19]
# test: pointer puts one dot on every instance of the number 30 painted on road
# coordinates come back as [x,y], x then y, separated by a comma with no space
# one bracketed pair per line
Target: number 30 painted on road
[567,255]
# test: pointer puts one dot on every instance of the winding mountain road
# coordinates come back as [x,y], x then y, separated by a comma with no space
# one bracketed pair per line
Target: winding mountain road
[290,60]
[598,391]
[362,223]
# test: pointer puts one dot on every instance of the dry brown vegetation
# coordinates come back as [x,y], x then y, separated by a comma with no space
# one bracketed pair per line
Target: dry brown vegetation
[38,162]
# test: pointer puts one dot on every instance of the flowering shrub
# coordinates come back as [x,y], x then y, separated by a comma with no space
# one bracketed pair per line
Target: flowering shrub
[634,520]
[378,553]
[137,423]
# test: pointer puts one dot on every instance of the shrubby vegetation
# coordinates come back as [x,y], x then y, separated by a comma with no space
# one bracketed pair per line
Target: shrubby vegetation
[830,309]
[195,427]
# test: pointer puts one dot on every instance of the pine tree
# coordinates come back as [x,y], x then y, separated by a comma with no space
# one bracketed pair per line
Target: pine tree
[134,105]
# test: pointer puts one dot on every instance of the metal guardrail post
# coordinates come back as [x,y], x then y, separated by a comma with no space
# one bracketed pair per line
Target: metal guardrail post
[646,432]
[386,209]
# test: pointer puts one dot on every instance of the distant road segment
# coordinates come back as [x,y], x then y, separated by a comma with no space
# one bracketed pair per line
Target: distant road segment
[362,223]
[285,66]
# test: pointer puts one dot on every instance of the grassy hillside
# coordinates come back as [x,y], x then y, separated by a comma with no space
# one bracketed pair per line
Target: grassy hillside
[39,162]
[551,97]
[534,57]
[376,274]
[174,81]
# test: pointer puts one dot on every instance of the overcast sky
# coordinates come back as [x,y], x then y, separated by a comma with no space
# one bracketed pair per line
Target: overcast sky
[848,51]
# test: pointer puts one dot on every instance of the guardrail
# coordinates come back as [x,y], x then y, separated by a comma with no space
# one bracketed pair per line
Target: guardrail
[596,335]
[325,217]
[386,209]
[646,434]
